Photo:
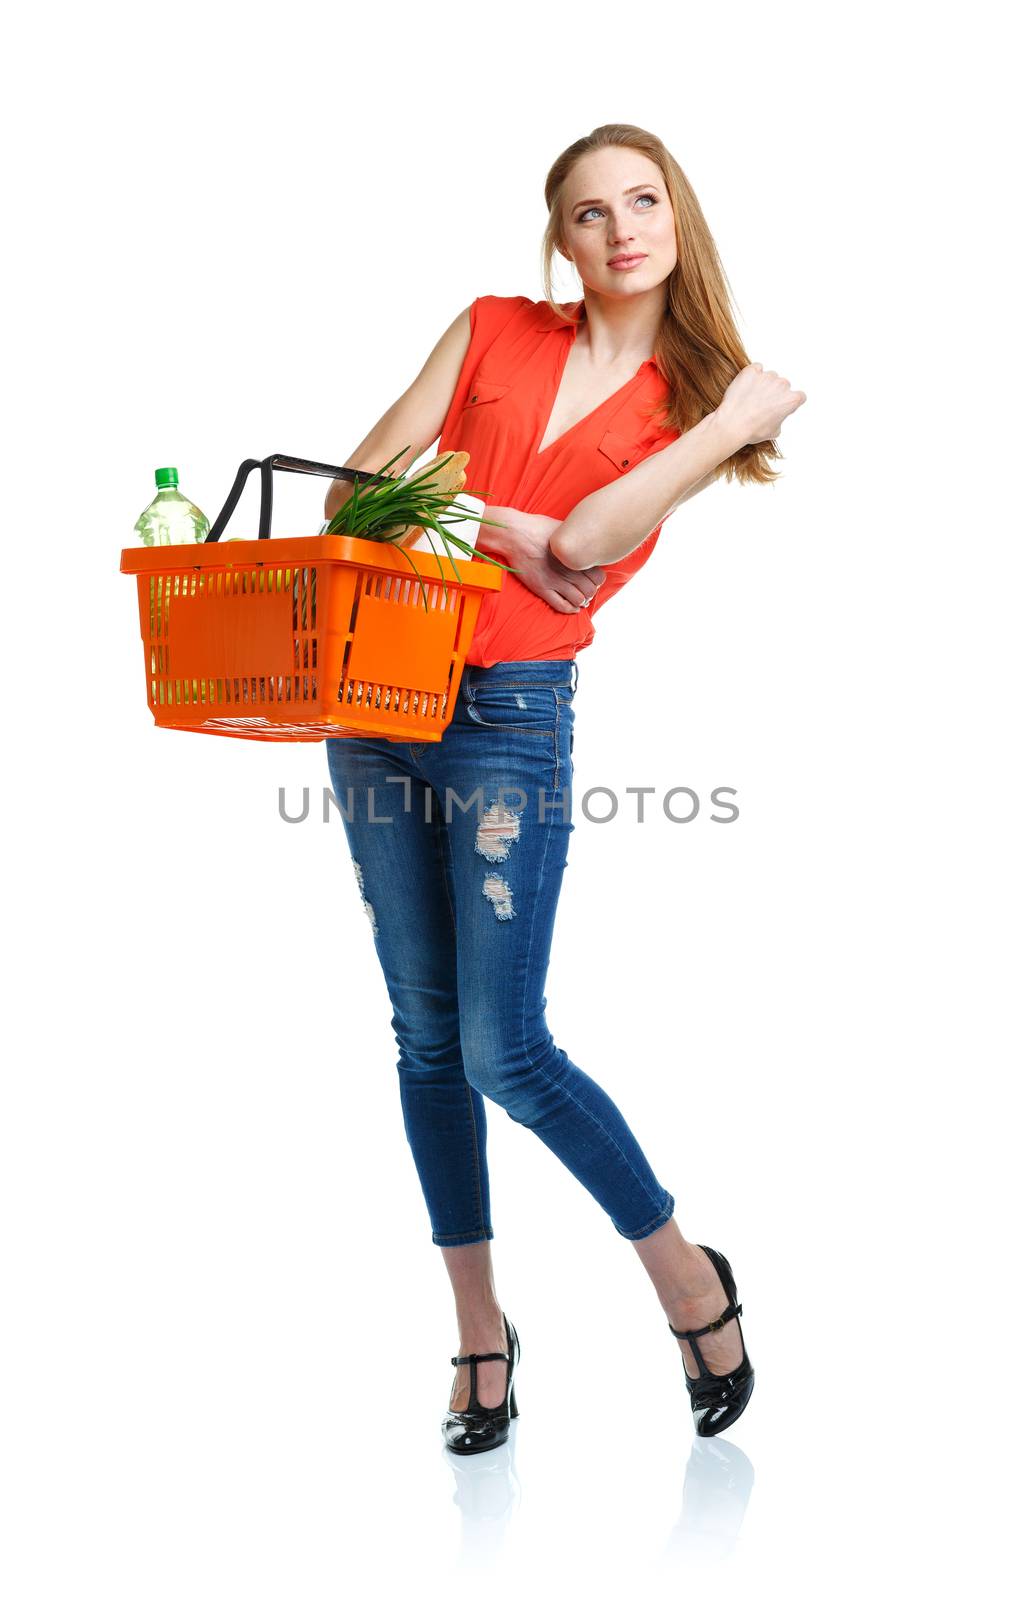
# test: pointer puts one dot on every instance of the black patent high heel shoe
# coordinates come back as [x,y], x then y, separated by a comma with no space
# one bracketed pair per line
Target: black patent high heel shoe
[716,1400]
[482,1427]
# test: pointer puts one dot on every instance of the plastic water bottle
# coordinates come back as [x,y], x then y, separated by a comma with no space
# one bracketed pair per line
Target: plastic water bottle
[171,518]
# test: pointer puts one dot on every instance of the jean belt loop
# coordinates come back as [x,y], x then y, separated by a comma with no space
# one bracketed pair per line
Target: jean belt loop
[574,684]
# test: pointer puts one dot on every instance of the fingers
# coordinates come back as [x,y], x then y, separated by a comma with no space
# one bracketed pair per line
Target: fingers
[571,590]
[585,580]
[587,589]
[582,589]
[565,597]
[770,373]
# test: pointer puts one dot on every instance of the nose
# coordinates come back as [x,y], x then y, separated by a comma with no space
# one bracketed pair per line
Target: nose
[620,235]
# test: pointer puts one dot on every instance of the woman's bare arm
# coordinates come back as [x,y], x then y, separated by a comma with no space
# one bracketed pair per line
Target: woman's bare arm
[611,522]
[416,419]
[705,483]
[608,524]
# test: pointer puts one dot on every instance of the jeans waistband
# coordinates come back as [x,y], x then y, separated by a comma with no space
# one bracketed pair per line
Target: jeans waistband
[556,673]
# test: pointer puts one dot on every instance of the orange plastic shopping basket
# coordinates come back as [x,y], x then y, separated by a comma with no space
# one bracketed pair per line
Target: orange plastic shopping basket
[308,638]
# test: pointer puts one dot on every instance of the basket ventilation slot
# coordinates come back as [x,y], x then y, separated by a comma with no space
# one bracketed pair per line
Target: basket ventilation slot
[299,687]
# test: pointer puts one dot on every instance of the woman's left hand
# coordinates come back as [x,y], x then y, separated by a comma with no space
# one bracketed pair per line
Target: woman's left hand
[523,542]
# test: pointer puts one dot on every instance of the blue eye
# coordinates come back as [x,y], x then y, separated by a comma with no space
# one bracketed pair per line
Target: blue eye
[650,197]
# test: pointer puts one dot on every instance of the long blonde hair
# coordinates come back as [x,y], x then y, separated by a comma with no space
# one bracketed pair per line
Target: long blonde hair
[698,350]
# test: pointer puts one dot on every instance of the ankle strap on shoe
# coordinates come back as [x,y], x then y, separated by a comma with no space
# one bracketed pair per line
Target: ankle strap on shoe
[711,1327]
[494,1355]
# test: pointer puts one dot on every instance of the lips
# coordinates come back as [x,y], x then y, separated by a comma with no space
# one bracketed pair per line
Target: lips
[625,261]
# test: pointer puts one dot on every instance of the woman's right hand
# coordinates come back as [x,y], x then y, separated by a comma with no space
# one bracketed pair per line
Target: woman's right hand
[756,403]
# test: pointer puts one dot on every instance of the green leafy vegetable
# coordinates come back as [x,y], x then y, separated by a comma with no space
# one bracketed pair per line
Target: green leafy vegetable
[383,511]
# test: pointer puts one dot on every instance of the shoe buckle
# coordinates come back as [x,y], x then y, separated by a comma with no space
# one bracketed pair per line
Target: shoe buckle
[713,1327]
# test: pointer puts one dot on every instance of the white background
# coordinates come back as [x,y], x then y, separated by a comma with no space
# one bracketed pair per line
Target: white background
[226,1336]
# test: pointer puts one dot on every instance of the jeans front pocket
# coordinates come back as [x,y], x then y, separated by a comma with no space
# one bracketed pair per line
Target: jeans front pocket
[524,707]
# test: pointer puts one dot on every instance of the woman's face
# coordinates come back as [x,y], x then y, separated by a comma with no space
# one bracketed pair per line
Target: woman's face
[615,204]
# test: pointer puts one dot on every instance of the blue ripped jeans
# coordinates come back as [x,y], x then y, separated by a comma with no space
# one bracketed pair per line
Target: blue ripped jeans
[459,852]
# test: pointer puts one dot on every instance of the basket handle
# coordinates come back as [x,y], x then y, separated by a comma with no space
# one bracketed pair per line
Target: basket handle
[286,464]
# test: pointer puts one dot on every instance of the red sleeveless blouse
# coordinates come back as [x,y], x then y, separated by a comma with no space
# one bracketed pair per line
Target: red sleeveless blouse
[499,412]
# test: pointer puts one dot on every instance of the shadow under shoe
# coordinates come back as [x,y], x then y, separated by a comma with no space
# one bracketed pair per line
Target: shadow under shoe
[716,1400]
[481,1427]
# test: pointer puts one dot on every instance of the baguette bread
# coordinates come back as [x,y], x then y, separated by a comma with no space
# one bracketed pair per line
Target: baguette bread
[444,476]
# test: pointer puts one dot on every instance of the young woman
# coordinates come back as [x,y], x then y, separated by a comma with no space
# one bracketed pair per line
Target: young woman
[586,425]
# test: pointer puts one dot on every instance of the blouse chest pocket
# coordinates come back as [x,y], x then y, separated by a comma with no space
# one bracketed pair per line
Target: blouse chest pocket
[482,390]
[623,451]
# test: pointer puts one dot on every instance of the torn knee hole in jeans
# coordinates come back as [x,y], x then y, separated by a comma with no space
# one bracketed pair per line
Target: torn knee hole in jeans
[500,896]
[369,908]
[498,827]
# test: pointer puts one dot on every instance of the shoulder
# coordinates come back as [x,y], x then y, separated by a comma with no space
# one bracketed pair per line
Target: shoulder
[498,309]
[507,328]
[497,322]
[542,314]
[503,308]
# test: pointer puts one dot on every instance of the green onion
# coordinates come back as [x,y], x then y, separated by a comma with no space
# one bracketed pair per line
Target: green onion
[383,511]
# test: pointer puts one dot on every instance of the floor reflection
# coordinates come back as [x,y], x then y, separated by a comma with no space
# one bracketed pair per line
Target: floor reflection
[716,1491]
[717,1482]
[487,1491]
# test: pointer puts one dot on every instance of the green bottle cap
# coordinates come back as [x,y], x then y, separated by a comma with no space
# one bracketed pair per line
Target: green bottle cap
[166,477]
